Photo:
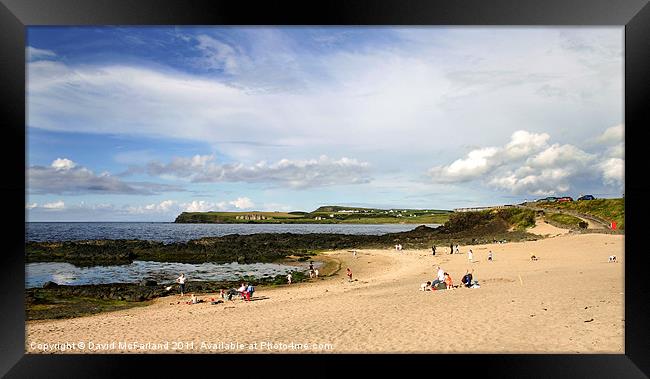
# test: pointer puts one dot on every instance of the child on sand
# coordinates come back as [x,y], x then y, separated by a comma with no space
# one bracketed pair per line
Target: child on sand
[448,282]
[425,286]
[490,255]
[470,255]
[349,273]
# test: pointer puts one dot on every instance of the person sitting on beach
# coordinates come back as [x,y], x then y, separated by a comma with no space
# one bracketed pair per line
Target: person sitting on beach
[349,274]
[440,278]
[467,279]
[193,300]
[448,282]
[425,286]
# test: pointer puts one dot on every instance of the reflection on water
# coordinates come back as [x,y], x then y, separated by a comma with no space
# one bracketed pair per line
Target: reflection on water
[38,274]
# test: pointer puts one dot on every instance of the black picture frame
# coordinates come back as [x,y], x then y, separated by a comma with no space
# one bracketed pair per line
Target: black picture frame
[15,15]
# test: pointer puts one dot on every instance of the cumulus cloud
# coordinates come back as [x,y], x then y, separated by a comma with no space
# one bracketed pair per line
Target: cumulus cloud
[612,135]
[529,165]
[483,160]
[323,171]
[242,203]
[613,171]
[64,176]
[31,205]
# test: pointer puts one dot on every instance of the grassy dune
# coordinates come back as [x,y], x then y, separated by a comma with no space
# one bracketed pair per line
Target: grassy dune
[605,209]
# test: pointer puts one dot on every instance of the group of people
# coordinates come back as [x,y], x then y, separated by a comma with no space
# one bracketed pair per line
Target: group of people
[443,277]
[245,291]
[398,247]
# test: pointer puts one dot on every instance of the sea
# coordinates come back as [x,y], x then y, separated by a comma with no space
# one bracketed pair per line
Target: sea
[37,274]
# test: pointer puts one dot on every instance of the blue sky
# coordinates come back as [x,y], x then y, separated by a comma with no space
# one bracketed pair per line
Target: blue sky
[142,123]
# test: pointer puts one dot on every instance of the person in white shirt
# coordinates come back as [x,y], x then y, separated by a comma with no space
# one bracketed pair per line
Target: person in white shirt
[289,278]
[470,255]
[181,282]
[440,279]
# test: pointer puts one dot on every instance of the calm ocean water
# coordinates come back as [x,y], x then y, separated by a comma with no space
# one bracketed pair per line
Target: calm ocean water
[170,232]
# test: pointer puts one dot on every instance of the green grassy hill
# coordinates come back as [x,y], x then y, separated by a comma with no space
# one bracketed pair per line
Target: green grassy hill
[605,209]
[322,215]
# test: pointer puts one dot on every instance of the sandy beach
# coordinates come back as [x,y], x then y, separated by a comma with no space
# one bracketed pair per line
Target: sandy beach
[569,301]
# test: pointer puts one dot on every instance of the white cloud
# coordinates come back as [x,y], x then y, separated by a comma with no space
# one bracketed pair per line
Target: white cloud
[613,171]
[477,163]
[34,53]
[203,206]
[63,164]
[242,203]
[528,165]
[218,55]
[162,207]
[523,143]
[323,171]
[31,206]
[612,135]
[55,205]
[64,176]
[483,160]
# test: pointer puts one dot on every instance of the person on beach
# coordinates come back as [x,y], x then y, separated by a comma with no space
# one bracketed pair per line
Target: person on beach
[470,255]
[439,279]
[467,279]
[354,253]
[433,249]
[490,255]
[448,282]
[316,273]
[289,278]
[457,249]
[425,286]
[349,274]
[242,291]
[249,291]
[181,282]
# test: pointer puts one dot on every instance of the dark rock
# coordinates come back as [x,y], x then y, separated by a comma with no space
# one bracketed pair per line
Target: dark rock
[148,283]
[50,285]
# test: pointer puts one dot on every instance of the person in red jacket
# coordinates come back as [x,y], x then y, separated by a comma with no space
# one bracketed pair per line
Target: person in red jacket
[349,273]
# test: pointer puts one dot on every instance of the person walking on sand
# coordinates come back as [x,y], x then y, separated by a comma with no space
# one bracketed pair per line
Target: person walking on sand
[289,278]
[470,256]
[451,248]
[457,249]
[490,256]
[349,274]
[433,249]
[181,282]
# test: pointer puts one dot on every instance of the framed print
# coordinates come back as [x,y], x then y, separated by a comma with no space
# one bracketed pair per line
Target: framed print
[211,183]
